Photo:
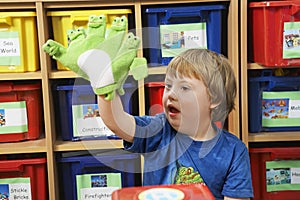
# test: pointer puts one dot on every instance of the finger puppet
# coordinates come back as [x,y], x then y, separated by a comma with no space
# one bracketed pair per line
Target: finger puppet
[104,57]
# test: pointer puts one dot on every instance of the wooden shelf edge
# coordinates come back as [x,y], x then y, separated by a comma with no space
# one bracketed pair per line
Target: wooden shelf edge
[18,1]
[87,145]
[62,74]
[155,2]
[157,70]
[258,66]
[31,146]
[274,136]
[70,74]
[21,75]
[85,1]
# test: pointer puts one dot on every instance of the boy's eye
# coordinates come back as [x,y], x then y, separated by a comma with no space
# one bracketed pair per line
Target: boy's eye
[168,86]
[184,88]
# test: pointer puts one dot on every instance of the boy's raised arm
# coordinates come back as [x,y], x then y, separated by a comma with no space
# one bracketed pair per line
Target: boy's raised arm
[115,118]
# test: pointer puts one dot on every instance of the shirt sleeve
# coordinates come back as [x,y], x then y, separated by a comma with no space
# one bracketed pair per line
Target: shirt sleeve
[148,134]
[238,183]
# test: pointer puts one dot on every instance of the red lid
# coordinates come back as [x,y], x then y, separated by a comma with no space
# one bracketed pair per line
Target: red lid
[6,87]
[17,165]
[10,86]
[155,84]
[273,3]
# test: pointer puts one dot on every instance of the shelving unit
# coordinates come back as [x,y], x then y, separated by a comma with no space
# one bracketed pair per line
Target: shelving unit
[245,66]
[49,144]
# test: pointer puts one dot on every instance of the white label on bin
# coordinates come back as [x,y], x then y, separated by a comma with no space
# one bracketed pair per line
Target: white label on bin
[176,38]
[9,48]
[295,175]
[15,188]
[87,121]
[281,109]
[294,109]
[282,175]
[103,193]
[97,186]
[13,117]
[291,40]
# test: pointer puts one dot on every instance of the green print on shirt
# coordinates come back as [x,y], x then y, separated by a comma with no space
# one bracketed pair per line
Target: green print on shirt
[187,175]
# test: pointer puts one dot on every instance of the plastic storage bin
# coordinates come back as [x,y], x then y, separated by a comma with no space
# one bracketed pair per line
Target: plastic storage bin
[275,173]
[18,38]
[20,111]
[116,170]
[275,33]
[273,103]
[154,94]
[181,19]
[63,21]
[24,179]
[79,117]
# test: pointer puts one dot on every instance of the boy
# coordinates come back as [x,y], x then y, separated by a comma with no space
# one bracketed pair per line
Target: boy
[182,144]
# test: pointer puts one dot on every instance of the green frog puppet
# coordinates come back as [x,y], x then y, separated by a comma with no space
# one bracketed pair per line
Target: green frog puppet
[104,57]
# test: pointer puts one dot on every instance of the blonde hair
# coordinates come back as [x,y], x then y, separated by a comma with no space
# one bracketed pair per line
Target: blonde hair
[216,73]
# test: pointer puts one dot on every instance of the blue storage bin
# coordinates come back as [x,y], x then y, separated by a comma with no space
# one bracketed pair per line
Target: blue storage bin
[214,15]
[83,98]
[274,103]
[71,168]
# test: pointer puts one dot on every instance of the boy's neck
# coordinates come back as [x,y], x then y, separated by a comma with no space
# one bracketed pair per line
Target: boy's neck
[205,135]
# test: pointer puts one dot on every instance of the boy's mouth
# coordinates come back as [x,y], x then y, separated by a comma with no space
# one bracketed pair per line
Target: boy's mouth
[172,110]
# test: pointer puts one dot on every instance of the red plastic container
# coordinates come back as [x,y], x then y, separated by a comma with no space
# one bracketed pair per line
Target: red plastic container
[186,191]
[155,91]
[31,93]
[258,159]
[266,21]
[34,169]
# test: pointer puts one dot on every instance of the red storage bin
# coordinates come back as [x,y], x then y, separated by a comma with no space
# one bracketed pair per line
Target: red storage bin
[155,91]
[282,163]
[17,176]
[273,23]
[26,98]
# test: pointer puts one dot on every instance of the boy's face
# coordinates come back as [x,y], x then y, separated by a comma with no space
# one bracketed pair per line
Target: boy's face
[187,105]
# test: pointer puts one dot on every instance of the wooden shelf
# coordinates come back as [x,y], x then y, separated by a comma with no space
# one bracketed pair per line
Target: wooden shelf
[15,4]
[71,74]
[21,76]
[274,136]
[31,146]
[155,2]
[87,145]
[52,4]
[62,74]
[258,66]
[157,70]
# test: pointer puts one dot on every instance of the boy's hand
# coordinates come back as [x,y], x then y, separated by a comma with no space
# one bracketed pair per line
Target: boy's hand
[105,62]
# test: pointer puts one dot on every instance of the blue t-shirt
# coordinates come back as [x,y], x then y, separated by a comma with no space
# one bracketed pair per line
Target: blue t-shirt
[222,163]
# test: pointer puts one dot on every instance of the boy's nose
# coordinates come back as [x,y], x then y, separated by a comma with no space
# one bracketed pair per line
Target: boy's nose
[172,95]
